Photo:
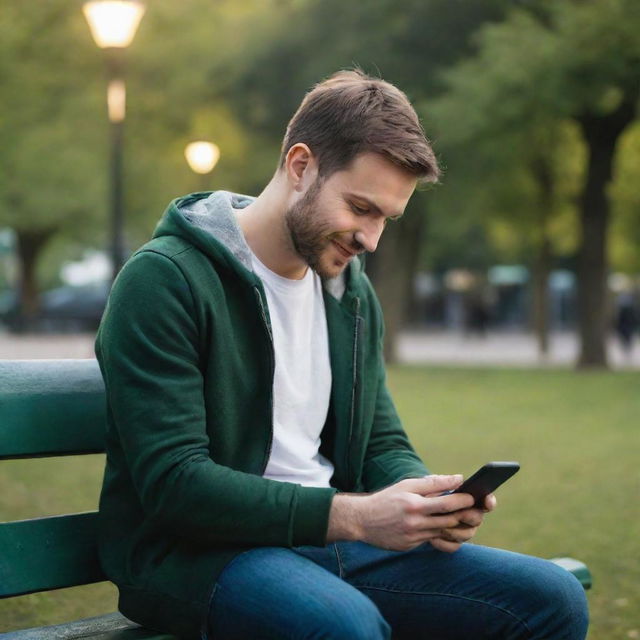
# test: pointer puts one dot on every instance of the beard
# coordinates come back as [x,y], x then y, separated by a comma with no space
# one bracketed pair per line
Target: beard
[311,236]
[307,236]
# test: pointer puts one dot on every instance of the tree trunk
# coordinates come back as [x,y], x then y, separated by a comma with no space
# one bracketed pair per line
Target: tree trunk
[393,266]
[543,174]
[541,271]
[601,134]
[29,245]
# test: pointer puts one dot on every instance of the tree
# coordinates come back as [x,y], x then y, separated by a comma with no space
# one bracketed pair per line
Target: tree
[515,183]
[48,173]
[178,82]
[407,42]
[553,61]
[53,161]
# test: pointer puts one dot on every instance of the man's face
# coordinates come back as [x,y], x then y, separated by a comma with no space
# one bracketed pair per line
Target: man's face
[345,214]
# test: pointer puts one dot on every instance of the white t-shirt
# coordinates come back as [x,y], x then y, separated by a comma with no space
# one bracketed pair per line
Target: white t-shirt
[302,381]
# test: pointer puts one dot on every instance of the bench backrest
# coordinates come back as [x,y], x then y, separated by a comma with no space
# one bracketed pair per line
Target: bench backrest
[50,408]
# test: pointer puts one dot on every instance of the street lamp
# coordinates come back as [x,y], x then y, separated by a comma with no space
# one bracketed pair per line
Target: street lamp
[113,25]
[202,157]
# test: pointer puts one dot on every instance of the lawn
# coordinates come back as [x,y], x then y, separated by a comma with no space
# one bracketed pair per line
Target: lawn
[577,437]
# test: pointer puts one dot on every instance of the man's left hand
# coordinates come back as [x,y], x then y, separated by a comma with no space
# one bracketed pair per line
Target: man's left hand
[470,519]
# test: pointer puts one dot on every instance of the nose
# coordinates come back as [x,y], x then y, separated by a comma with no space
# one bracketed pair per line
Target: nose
[369,234]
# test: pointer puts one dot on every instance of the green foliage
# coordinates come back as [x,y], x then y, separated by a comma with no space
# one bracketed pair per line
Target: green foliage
[54,157]
[579,58]
[49,119]
[179,69]
[625,236]
[406,42]
[507,120]
[496,82]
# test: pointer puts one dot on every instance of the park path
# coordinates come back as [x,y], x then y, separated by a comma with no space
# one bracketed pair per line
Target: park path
[414,347]
[516,349]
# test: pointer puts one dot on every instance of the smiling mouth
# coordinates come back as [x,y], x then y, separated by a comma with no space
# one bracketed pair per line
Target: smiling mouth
[346,253]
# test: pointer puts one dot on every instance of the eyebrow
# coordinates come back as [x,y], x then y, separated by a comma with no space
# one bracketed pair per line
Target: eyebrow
[372,205]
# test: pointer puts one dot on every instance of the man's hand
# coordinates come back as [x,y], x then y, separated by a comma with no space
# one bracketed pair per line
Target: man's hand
[470,519]
[407,514]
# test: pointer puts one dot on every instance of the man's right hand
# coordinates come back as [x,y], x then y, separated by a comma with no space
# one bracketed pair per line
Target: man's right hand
[400,517]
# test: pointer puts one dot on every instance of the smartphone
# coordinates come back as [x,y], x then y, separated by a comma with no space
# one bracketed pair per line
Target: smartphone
[487,479]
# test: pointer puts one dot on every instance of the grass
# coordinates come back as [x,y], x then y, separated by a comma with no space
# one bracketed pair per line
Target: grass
[51,486]
[577,437]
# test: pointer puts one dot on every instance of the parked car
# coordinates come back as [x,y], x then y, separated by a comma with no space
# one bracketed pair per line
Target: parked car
[64,309]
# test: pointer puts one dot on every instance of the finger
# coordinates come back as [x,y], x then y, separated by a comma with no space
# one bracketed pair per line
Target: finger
[458,534]
[490,502]
[448,503]
[444,545]
[470,517]
[431,484]
[444,521]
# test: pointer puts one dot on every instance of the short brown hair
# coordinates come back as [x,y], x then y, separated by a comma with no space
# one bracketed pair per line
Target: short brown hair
[352,113]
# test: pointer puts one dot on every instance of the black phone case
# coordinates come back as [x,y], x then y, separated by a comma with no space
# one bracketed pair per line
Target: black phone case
[487,479]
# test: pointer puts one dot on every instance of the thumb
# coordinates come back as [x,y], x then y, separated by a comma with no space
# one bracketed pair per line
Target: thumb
[432,484]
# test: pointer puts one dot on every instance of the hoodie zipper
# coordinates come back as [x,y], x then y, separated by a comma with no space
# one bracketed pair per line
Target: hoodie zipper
[354,380]
[267,327]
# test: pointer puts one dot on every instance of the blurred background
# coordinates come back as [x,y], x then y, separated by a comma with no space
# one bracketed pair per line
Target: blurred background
[527,253]
[532,235]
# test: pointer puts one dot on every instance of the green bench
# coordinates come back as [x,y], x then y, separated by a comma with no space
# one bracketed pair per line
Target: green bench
[57,408]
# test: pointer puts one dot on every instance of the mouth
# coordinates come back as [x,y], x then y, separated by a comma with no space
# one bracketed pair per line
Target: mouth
[343,251]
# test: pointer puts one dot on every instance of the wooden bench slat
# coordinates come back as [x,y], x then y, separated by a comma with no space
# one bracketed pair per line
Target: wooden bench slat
[48,553]
[51,408]
[112,626]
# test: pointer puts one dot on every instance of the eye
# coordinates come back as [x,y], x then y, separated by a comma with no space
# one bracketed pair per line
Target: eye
[359,210]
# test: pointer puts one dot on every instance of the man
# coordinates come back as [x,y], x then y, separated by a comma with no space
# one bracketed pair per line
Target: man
[258,482]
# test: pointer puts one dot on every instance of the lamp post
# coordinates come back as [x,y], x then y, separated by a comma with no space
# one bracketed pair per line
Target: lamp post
[113,25]
[202,157]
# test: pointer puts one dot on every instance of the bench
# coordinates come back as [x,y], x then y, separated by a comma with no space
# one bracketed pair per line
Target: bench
[57,408]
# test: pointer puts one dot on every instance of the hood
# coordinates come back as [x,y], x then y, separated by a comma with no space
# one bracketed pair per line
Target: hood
[207,221]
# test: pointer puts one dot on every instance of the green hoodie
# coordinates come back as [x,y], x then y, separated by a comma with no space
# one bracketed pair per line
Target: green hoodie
[186,354]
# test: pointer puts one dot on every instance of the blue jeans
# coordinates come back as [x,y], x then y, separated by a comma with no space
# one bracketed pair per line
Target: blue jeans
[351,590]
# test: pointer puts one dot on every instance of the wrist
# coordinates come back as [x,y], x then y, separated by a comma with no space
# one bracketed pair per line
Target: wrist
[345,517]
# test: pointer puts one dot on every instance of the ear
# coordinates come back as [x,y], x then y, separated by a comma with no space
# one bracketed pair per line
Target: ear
[301,167]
